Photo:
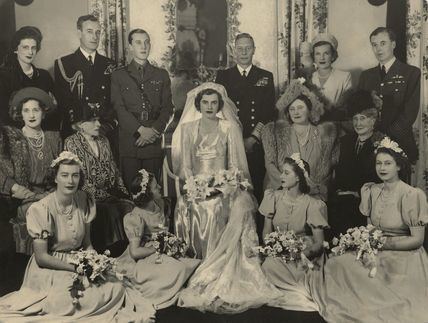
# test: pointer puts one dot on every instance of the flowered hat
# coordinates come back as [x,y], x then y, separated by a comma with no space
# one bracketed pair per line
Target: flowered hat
[66,155]
[293,91]
[29,93]
[145,177]
[387,143]
[325,37]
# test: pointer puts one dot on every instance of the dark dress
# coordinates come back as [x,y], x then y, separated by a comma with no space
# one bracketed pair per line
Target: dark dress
[12,79]
[352,172]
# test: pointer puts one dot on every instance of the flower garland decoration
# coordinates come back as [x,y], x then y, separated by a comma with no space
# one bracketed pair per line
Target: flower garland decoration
[298,160]
[366,241]
[66,155]
[145,176]
[387,143]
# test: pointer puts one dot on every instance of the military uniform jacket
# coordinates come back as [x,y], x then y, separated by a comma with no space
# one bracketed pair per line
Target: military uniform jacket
[400,91]
[78,83]
[254,95]
[131,94]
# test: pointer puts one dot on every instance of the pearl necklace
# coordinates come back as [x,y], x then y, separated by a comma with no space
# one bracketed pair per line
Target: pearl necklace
[35,142]
[303,139]
[66,211]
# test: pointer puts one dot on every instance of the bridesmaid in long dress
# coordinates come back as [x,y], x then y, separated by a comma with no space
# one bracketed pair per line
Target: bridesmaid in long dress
[221,228]
[291,208]
[398,292]
[58,224]
[157,278]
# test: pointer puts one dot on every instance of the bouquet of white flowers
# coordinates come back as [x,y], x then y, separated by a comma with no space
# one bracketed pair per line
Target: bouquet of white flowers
[167,243]
[285,245]
[91,268]
[201,186]
[366,241]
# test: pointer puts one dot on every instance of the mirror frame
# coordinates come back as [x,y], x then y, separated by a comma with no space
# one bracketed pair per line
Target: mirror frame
[203,73]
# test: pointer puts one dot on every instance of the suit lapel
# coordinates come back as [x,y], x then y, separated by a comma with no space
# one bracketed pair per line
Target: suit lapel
[148,72]
[394,69]
[133,71]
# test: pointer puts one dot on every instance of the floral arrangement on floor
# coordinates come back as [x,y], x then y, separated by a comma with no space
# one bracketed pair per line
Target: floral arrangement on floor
[202,186]
[168,244]
[366,241]
[91,268]
[285,245]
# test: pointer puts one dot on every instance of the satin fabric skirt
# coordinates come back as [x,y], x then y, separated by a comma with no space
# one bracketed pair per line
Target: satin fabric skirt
[45,296]
[230,279]
[398,293]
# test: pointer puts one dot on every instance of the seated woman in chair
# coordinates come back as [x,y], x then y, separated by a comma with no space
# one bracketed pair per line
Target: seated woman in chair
[102,177]
[26,157]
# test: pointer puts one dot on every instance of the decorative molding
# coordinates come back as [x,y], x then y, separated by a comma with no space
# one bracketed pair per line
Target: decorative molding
[202,73]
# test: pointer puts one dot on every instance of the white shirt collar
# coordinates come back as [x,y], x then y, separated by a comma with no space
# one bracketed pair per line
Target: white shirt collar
[86,54]
[247,70]
[388,64]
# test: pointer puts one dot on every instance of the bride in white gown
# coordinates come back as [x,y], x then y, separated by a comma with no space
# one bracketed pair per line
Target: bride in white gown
[220,229]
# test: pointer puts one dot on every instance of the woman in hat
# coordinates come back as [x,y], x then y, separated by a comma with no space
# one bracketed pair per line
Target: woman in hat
[332,84]
[103,179]
[18,71]
[355,166]
[394,287]
[297,131]
[27,155]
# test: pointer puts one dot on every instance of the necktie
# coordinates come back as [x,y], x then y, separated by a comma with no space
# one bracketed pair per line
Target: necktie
[359,146]
[91,62]
[382,72]
[244,73]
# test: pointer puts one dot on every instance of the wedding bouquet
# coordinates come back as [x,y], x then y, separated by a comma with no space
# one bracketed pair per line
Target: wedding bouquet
[285,245]
[366,241]
[91,268]
[167,243]
[201,186]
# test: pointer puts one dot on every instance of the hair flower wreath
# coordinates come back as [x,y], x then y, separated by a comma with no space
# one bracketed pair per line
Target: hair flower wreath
[298,160]
[66,155]
[387,143]
[145,176]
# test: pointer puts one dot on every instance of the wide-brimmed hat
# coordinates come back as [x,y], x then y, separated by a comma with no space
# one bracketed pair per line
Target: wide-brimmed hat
[29,93]
[361,102]
[329,38]
[293,91]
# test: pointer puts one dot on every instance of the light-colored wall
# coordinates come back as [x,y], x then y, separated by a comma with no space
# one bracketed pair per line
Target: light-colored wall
[351,22]
[56,19]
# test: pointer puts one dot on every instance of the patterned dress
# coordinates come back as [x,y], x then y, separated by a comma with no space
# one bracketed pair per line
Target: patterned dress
[320,152]
[44,294]
[398,293]
[104,182]
[159,283]
[301,216]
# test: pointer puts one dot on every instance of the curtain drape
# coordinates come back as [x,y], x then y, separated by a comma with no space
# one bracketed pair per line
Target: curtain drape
[112,15]
[298,21]
[417,55]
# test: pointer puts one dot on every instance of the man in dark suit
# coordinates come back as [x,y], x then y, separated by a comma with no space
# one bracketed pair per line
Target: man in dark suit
[83,77]
[141,96]
[395,88]
[252,90]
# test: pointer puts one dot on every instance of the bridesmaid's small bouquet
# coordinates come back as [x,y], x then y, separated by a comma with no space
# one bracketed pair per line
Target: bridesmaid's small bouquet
[168,244]
[202,186]
[285,245]
[366,241]
[91,268]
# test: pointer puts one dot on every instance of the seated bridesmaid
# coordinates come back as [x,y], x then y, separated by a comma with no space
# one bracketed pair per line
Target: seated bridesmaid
[157,278]
[399,290]
[58,224]
[355,167]
[102,177]
[291,208]
[26,157]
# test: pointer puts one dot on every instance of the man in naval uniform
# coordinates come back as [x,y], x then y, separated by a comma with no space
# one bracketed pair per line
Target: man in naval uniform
[252,90]
[141,97]
[83,78]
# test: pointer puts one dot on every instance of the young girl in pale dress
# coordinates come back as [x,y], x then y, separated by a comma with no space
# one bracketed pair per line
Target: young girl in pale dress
[398,292]
[157,278]
[291,208]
